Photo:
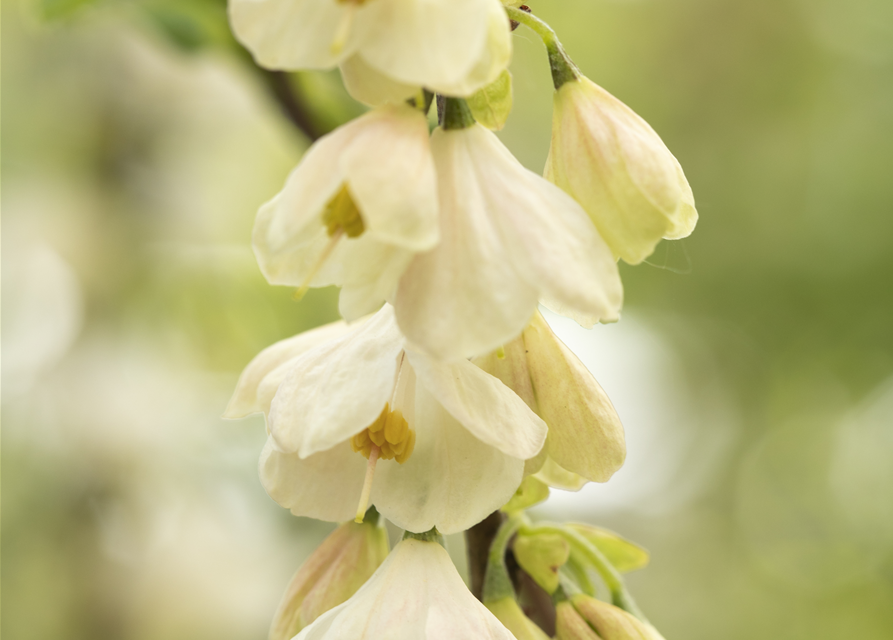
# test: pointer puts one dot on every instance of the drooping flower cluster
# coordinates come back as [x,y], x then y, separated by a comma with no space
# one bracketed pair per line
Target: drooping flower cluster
[443,395]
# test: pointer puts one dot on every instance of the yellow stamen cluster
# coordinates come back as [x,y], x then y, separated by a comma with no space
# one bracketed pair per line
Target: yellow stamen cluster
[390,433]
[341,213]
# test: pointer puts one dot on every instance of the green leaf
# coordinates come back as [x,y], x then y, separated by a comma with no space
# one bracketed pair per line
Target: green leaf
[532,491]
[624,555]
[491,105]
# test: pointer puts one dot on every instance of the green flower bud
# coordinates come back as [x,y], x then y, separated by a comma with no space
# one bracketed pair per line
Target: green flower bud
[570,625]
[331,575]
[541,556]
[510,614]
[613,623]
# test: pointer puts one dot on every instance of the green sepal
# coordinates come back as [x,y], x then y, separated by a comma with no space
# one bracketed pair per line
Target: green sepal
[491,105]
[532,491]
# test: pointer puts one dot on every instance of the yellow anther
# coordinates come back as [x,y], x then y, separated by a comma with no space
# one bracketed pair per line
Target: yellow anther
[390,434]
[341,213]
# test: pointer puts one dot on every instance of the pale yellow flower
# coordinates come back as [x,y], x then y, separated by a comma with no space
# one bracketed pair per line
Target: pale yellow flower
[509,239]
[614,164]
[356,209]
[450,440]
[451,46]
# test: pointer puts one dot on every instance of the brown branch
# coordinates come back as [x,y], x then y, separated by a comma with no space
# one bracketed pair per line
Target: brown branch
[292,103]
[477,542]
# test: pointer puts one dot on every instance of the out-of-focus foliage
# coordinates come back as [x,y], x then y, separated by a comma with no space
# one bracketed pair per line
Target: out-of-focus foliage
[752,369]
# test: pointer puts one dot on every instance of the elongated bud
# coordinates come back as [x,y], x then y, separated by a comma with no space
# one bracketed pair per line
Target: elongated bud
[615,165]
[510,614]
[331,575]
[570,625]
[613,623]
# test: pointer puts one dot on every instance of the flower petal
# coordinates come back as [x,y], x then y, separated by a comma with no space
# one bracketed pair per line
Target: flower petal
[483,405]
[390,174]
[325,486]
[338,389]
[585,434]
[372,87]
[508,237]
[368,272]
[384,158]
[452,480]
[260,379]
[292,34]
[439,44]
[416,594]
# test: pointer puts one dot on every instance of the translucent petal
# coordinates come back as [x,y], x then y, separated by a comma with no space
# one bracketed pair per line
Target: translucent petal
[325,485]
[483,405]
[508,238]
[260,379]
[416,594]
[337,389]
[451,481]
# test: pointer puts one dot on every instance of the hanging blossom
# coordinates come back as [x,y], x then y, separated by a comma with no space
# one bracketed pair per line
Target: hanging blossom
[585,440]
[354,211]
[450,46]
[508,240]
[417,594]
[365,419]
[611,161]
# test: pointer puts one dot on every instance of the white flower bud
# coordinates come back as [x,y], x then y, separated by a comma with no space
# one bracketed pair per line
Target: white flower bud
[614,164]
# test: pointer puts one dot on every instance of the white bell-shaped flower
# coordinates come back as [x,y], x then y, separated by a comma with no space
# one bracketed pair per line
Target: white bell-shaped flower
[364,418]
[453,47]
[509,239]
[354,211]
[614,164]
[585,434]
[417,594]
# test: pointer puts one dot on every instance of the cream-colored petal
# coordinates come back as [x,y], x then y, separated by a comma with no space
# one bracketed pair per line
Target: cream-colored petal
[416,594]
[260,379]
[385,161]
[555,476]
[288,233]
[293,34]
[390,175]
[618,168]
[439,44]
[510,366]
[585,434]
[452,480]
[482,404]
[508,237]
[372,87]
[368,272]
[492,60]
[325,485]
[337,389]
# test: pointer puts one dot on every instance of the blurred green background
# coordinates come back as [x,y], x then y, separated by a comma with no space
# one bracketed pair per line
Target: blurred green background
[753,368]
